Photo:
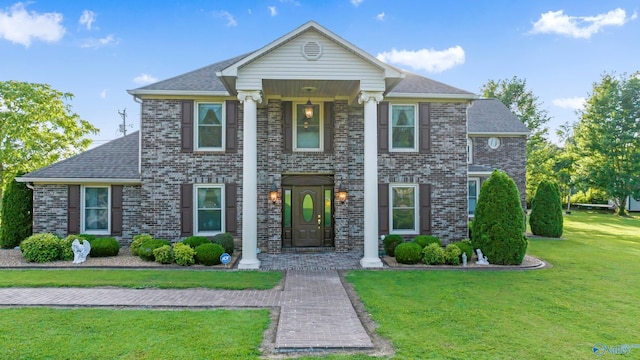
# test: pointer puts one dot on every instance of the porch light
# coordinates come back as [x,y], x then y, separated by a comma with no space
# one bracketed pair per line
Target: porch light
[308,107]
[341,195]
[273,194]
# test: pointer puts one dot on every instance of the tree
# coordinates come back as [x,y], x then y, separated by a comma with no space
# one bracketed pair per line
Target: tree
[15,214]
[546,211]
[607,138]
[37,128]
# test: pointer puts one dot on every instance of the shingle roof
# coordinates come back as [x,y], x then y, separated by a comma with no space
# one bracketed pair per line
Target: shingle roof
[492,116]
[117,159]
[416,84]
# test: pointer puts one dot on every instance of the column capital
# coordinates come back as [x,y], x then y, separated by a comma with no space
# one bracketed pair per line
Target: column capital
[254,95]
[366,96]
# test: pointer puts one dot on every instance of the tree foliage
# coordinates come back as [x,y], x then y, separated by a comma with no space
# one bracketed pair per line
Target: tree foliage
[546,211]
[16,214]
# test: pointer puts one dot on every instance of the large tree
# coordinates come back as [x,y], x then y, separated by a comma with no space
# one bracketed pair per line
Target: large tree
[37,128]
[607,138]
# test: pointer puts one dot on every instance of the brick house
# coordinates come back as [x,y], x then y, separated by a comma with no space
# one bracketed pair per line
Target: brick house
[306,142]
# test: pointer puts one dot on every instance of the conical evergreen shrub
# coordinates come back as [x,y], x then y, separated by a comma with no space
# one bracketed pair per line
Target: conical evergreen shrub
[498,225]
[546,210]
[17,204]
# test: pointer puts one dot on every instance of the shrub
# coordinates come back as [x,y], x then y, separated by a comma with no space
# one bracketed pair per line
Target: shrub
[465,247]
[66,252]
[408,253]
[226,241]
[390,242]
[137,241]
[15,217]
[103,247]
[546,210]
[424,240]
[164,254]
[209,254]
[41,248]
[87,237]
[146,249]
[183,254]
[498,225]
[194,241]
[452,254]
[433,254]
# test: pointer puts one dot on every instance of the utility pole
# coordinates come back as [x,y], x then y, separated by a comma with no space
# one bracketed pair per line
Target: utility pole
[123,127]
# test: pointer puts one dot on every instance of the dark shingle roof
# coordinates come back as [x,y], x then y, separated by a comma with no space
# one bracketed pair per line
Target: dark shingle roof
[117,159]
[416,84]
[492,116]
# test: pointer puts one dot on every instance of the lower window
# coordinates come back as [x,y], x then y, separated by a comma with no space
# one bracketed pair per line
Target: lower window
[404,218]
[474,187]
[209,217]
[95,209]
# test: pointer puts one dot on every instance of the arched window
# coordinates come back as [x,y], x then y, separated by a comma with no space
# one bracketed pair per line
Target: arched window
[469,151]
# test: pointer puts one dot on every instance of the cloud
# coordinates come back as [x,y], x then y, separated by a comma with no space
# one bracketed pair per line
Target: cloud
[21,27]
[380,16]
[227,16]
[581,27]
[573,103]
[356,3]
[144,79]
[98,43]
[103,94]
[87,18]
[430,60]
[273,11]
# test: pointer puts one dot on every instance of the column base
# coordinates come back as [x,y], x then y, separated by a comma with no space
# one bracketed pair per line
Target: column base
[371,263]
[247,264]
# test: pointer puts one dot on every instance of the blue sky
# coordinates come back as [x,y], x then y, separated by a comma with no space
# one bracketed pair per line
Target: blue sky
[99,49]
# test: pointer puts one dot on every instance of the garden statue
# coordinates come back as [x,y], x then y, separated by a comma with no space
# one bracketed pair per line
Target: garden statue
[482,260]
[80,251]
[464,259]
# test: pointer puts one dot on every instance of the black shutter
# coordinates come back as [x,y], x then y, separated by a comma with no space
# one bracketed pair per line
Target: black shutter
[116,210]
[287,126]
[186,126]
[328,127]
[186,210]
[424,128]
[383,209]
[383,127]
[231,126]
[73,209]
[425,209]
[231,208]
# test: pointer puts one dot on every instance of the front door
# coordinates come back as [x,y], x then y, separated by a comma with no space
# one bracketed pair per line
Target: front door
[307,214]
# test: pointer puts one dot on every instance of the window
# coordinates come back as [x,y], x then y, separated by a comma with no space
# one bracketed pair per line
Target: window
[210,126]
[209,217]
[95,211]
[307,133]
[404,218]
[403,127]
[493,142]
[474,187]
[469,151]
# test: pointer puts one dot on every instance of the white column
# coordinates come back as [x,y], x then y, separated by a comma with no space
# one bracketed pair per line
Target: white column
[249,180]
[370,100]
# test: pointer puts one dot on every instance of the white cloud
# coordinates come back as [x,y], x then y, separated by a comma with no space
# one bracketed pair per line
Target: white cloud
[573,103]
[231,21]
[21,27]
[380,16]
[634,15]
[98,43]
[430,60]
[556,22]
[356,3]
[273,11]
[87,18]
[103,94]
[144,79]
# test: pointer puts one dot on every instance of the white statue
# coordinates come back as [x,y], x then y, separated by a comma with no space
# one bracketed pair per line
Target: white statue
[482,260]
[80,251]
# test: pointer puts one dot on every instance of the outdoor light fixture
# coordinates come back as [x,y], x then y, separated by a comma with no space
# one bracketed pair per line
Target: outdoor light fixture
[308,107]
[341,195]
[273,194]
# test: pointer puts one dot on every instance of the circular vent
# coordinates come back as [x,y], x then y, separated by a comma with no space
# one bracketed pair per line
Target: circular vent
[311,50]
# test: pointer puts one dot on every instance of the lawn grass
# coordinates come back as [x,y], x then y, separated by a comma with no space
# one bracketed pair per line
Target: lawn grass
[163,279]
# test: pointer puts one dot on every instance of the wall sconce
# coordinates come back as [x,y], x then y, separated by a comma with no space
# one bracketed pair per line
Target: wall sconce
[273,194]
[308,107]
[341,195]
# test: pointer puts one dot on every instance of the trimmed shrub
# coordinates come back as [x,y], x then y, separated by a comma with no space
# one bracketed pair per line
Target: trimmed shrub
[465,247]
[226,241]
[209,254]
[103,247]
[498,225]
[146,249]
[66,252]
[41,248]
[546,210]
[164,254]
[425,240]
[87,237]
[15,217]
[408,253]
[194,241]
[433,254]
[390,242]
[137,241]
[452,255]
[183,254]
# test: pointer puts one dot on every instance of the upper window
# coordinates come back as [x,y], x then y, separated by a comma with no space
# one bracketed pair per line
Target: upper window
[209,217]
[493,142]
[404,211]
[210,126]
[403,128]
[474,187]
[469,151]
[307,132]
[95,209]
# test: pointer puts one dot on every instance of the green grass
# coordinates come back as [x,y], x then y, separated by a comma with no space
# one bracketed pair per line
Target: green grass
[163,279]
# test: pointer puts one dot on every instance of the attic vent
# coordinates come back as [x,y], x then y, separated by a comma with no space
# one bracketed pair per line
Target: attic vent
[311,50]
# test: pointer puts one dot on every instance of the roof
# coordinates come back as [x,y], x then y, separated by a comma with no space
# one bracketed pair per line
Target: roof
[115,161]
[491,116]
[415,84]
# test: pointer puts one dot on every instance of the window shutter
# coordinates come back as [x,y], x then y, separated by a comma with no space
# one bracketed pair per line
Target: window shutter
[383,127]
[186,210]
[383,209]
[328,127]
[287,126]
[231,113]
[186,127]
[425,209]
[424,128]
[73,209]
[116,210]
[231,209]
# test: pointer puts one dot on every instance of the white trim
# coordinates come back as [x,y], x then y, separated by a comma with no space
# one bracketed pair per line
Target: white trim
[392,95]
[178,92]
[477,181]
[83,210]
[195,209]
[493,133]
[75,181]
[479,173]
[416,208]
[196,126]
[295,127]
[416,120]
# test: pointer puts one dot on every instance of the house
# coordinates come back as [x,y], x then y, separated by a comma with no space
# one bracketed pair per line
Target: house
[306,142]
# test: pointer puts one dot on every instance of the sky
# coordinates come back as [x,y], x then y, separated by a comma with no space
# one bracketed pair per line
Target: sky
[98,50]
